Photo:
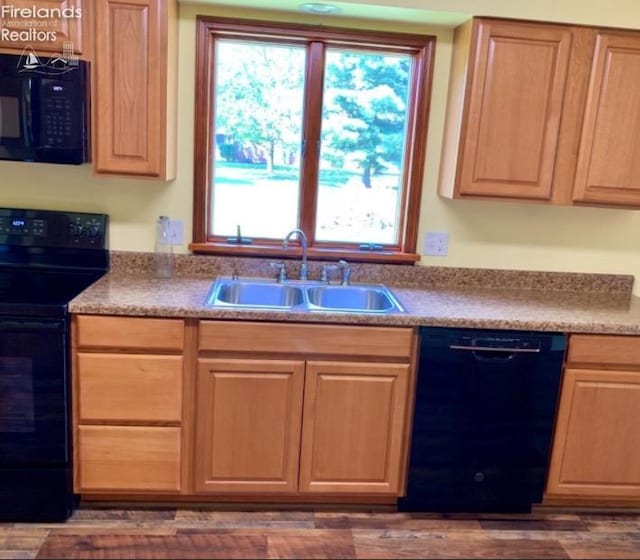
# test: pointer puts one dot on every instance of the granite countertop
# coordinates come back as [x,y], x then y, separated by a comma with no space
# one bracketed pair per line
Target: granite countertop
[564,302]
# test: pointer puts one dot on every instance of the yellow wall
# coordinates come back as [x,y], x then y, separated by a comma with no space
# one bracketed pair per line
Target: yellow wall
[483,234]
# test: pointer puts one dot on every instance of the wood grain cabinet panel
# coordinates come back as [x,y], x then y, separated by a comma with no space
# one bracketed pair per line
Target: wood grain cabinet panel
[132,388]
[596,450]
[248,425]
[353,427]
[55,31]
[134,96]
[129,333]
[245,336]
[128,459]
[513,108]
[608,169]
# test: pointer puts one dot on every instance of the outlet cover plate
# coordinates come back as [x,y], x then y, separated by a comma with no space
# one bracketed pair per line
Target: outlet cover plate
[436,243]
[177,229]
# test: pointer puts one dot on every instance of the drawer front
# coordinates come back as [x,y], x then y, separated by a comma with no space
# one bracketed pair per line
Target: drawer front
[604,350]
[128,458]
[290,338]
[129,387]
[134,333]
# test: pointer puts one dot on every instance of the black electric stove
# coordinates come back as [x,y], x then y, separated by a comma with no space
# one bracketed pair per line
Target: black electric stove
[46,259]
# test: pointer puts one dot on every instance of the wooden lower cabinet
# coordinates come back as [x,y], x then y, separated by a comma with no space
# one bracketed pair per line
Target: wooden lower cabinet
[128,459]
[128,405]
[596,452]
[235,410]
[248,425]
[353,427]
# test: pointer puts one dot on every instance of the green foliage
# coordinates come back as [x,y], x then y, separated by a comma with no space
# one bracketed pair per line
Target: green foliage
[259,105]
[365,110]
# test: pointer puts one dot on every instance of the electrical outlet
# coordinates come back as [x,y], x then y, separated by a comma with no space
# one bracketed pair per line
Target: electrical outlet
[436,243]
[176,227]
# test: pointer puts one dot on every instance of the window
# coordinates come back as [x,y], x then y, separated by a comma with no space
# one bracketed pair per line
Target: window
[321,129]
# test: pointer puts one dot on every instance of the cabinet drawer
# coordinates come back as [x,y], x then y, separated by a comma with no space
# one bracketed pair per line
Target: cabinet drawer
[289,338]
[128,458]
[139,333]
[129,387]
[604,350]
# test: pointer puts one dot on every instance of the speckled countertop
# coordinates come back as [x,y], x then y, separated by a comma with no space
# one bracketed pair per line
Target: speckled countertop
[567,302]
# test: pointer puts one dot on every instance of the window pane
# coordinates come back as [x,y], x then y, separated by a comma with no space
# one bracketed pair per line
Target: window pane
[364,120]
[259,90]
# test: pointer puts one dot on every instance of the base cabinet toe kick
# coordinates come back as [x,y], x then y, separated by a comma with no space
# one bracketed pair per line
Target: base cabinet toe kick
[168,409]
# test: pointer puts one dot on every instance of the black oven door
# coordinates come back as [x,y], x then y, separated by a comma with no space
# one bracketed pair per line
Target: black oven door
[34,423]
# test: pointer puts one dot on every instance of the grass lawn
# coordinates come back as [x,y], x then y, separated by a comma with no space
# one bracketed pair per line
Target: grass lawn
[266,205]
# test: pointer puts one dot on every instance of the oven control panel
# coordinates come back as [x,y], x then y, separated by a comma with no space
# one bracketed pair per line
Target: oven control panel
[47,228]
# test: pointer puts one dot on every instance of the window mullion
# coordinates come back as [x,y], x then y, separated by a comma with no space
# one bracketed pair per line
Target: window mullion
[312,124]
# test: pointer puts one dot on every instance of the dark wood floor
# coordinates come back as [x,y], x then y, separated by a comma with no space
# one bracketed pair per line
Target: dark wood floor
[205,533]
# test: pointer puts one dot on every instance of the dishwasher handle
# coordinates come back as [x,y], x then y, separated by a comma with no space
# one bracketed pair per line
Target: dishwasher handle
[493,349]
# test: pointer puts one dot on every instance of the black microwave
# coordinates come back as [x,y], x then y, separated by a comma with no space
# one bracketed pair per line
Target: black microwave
[43,109]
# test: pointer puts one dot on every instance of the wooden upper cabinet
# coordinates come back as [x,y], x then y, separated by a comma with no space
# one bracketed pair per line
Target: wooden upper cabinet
[608,170]
[510,126]
[47,33]
[134,93]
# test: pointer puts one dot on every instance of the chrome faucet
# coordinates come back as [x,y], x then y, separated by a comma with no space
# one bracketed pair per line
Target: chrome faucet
[304,267]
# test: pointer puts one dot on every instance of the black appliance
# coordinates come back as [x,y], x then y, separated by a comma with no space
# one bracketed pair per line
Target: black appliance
[43,109]
[483,421]
[46,259]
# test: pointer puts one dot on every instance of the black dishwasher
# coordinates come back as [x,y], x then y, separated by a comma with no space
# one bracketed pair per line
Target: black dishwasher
[483,419]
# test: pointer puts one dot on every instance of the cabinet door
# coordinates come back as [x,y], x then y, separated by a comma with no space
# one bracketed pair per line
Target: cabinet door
[248,425]
[353,427]
[596,450]
[58,23]
[130,97]
[513,108]
[608,168]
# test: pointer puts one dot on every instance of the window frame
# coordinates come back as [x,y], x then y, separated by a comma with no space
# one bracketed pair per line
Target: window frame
[317,38]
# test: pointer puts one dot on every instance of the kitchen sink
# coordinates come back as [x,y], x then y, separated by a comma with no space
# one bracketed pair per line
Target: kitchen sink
[248,293]
[265,293]
[351,298]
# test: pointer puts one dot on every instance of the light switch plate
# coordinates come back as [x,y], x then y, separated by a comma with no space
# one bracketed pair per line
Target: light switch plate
[436,243]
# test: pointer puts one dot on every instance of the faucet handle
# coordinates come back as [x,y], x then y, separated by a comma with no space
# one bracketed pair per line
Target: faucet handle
[282,272]
[346,272]
[326,268]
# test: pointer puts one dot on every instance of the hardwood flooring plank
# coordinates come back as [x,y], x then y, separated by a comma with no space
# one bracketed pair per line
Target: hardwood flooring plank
[397,522]
[614,526]
[14,542]
[603,545]
[107,514]
[311,543]
[245,520]
[17,554]
[533,524]
[455,547]
[228,545]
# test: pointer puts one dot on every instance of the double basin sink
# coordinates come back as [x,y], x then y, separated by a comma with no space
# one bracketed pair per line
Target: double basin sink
[298,295]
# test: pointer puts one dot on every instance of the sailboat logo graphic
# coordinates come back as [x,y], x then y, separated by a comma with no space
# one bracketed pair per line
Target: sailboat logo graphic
[30,62]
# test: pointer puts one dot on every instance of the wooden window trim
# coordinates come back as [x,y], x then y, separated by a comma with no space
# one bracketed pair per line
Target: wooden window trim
[423,47]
